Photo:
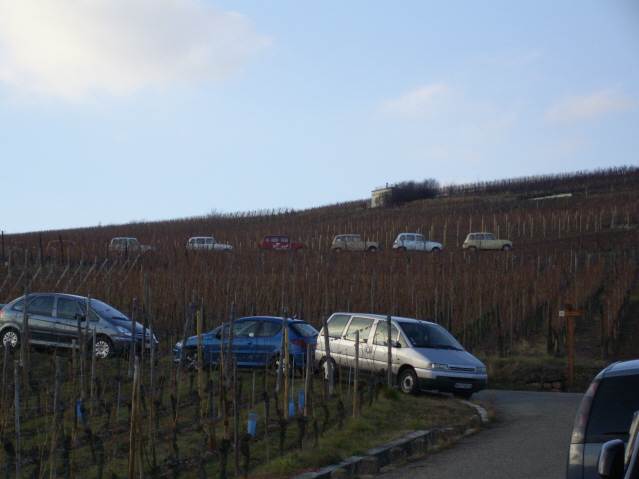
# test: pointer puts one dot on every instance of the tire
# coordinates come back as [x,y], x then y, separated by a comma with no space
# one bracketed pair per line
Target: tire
[103,348]
[436,250]
[372,249]
[338,250]
[324,369]
[275,364]
[401,248]
[191,360]
[408,382]
[506,248]
[472,248]
[11,338]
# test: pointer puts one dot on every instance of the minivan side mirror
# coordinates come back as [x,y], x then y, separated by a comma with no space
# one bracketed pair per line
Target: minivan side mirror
[611,460]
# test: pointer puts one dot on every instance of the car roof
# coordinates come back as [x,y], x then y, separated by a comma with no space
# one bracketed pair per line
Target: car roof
[621,368]
[383,316]
[272,318]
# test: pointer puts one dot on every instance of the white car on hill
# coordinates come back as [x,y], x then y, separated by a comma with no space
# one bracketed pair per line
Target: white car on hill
[207,243]
[416,242]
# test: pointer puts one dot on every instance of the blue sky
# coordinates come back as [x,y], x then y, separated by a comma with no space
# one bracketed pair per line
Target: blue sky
[114,111]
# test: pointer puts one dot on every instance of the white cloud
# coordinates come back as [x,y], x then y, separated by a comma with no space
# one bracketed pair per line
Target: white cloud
[426,99]
[71,48]
[589,106]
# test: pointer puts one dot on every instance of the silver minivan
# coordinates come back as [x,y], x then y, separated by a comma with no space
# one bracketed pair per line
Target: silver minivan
[53,322]
[424,356]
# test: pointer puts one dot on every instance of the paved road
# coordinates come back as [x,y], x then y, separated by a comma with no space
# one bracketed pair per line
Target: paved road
[529,440]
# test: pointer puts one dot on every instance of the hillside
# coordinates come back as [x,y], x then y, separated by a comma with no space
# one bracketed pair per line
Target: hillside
[575,240]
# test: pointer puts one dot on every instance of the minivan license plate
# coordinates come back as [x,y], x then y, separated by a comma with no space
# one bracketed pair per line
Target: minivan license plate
[463,386]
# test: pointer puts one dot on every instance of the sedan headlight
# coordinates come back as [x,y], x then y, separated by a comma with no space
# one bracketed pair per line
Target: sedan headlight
[123,331]
[437,366]
[178,345]
[481,369]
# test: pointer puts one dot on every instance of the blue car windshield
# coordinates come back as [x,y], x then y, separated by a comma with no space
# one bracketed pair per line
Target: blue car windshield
[425,335]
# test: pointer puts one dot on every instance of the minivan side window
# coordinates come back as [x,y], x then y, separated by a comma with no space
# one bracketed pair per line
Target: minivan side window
[363,325]
[42,305]
[381,333]
[337,324]
[68,308]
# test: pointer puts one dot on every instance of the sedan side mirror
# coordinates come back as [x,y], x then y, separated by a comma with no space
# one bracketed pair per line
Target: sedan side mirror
[611,460]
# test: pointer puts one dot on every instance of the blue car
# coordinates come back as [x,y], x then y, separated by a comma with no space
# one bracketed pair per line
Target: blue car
[256,342]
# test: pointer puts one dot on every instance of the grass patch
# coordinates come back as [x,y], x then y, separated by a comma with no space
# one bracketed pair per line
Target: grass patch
[393,415]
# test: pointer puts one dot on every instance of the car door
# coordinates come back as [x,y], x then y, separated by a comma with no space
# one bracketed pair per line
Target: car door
[490,242]
[245,342]
[409,241]
[380,346]
[356,243]
[41,322]
[268,340]
[335,330]
[363,326]
[67,312]
[420,243]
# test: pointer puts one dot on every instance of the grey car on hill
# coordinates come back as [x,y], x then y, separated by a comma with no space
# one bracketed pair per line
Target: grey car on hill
[53,320]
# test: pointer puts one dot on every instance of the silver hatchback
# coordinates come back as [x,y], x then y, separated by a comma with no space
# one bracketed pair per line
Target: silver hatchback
[424,356]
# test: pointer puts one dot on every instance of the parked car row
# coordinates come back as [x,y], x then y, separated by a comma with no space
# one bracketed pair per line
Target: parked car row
[403,242]
[341,242]
[424,356]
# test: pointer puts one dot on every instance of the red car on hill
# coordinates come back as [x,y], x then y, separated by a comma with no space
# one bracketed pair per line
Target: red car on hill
[280,243]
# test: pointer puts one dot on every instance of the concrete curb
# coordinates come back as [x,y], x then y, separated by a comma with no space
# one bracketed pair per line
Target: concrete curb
[414,445]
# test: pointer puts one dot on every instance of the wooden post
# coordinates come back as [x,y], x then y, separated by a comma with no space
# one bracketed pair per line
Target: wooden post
[134,419]
[57,419]
[329,361]
[570,319]
[356,378]
[133,328]
[286,369]
[200,360]
[16,373]
[389,363]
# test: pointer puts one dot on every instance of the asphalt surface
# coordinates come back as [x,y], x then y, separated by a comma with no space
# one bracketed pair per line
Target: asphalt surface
[529,439]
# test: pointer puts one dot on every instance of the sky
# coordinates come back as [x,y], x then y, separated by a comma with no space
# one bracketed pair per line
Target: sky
[122,111]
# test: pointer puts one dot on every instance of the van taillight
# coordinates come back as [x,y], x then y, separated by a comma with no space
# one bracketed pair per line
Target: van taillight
[581,421]
[299,342]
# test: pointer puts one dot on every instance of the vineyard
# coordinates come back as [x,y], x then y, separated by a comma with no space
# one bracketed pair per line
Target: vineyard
[575,237]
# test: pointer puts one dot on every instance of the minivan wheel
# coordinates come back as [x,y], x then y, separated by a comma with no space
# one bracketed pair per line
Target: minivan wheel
[275,364]
[11,338]
[103,348]
[324,369]
[372,249]
[506,247]
[408,382]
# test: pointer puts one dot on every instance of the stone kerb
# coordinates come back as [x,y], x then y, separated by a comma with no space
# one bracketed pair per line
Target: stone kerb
[396,452]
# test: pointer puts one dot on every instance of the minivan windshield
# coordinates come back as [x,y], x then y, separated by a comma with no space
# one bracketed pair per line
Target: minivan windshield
[428,335]
[107,311]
